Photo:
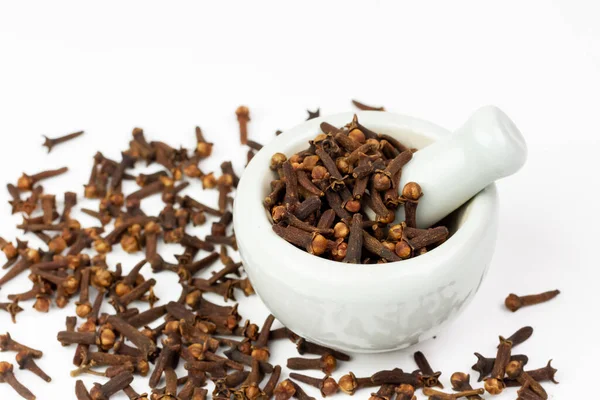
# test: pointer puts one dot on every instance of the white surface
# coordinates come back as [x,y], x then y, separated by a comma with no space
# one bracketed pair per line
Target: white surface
[351,307]
[69,65]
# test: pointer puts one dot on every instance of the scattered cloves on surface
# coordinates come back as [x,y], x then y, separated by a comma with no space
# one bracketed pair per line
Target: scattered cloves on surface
[327,385]
[460,382]
[26,361]
[304,347]
[436,395]
[260,351]
[520,335]
[385,392]
[12,308]
[285,390]
[313,114]
[326,363]
[7,376]
[349,383]
[7,343]
[271,384]
[243,117]
[364,107]
[81,391]
[299,393]
[50,143]
[494,384]
[132,334]
[236,355]
[113,386]
[26,182]
[397,377]
[430,378]
[405,392]
[525,393]
[485,365]
[514,302]
[514,370]
[539,375]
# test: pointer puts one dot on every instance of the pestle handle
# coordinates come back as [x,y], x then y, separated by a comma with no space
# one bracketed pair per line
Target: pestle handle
[452,170]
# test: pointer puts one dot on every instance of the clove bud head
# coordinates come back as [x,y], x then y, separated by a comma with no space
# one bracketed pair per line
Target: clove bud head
[329,387]
[459,379]
[348,383]
[5,368]
[493,386]
[318,246]
[412,191]
[403,249]
[83,310]
[514,369]
[261,354]
[284,390]
[513,302]
[406,390]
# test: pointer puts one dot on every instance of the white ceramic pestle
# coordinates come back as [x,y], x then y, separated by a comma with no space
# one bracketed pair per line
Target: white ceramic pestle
[452,170]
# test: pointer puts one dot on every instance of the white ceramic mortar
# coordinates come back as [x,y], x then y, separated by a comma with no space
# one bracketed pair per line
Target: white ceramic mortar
[376,308]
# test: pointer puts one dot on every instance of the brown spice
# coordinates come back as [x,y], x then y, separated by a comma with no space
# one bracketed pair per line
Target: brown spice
[243,117]
[494,384]
[364,107]
[514,302]
[327,385]
[7,376]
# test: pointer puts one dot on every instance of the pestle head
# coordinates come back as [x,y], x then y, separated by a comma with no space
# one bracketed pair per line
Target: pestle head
[487,147]
[500,141]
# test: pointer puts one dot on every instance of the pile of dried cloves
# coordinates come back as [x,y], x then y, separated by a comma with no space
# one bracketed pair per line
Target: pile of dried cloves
[220,350]
[322,196]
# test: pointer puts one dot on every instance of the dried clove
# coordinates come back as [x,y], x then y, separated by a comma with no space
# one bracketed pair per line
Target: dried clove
[50,143]
[460,382]
[494,384]
[430,378]
[327,385]
[299,393]
[355,241]
[364,107]
[113,386]
[397,377]
[405,392]
[237,356]
[539,375]
[349,383]
[26,182]
[26,361]
[243,117]
[313,114]
[436,395]
[304,347]
[285,390]
[12,308]
[81,391]
[7,376]
[385,392]
[514,370]
[514,302]
[132,334]
[485,365]
[520,335]
[7,343]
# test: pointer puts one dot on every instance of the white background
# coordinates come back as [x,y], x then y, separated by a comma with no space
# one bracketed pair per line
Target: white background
[167,67]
